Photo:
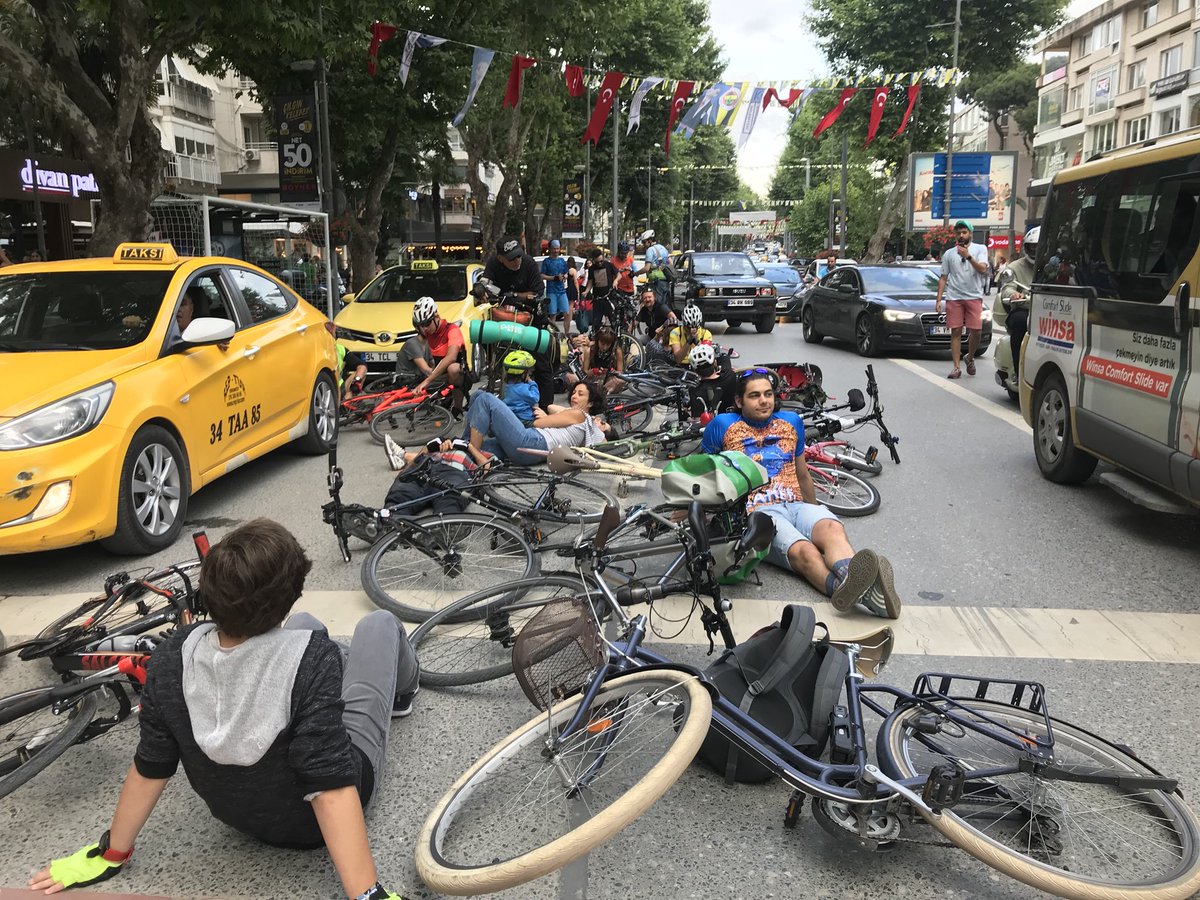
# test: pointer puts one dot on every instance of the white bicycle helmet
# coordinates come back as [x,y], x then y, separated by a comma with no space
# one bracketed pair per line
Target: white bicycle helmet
[692,317]
[647,235]
[702,355]
[424,311]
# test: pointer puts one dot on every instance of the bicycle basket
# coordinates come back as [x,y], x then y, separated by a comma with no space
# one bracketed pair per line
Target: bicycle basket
[557,651]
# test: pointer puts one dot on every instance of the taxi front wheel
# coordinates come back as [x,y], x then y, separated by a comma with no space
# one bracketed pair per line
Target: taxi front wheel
[322,417]
[152,495]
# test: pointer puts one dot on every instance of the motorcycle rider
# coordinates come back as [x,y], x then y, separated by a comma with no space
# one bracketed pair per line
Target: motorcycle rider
[1015,297]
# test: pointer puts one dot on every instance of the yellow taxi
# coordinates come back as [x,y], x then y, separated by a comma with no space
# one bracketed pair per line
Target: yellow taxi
[378,319]
[129,383]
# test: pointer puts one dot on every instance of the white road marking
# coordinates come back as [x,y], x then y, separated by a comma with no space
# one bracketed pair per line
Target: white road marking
[992,409]
[974,631]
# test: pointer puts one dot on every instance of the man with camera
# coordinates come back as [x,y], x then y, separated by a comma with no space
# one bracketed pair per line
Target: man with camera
[964,274]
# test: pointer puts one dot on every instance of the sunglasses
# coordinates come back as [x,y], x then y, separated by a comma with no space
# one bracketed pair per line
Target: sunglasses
[758,370]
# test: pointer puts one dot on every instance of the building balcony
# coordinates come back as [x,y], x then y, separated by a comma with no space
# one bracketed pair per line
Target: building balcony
[188,168]
[1131,97]
[1072,117]
[1165,25]
[189,98]
[460,220]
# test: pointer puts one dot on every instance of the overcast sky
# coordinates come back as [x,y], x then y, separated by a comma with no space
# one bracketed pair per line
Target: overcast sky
[761,46]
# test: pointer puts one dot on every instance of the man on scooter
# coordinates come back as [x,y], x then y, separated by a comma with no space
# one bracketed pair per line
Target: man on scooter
[1015,297]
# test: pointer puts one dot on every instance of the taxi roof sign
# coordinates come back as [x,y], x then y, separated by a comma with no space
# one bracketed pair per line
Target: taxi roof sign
[146,253]
[423,265]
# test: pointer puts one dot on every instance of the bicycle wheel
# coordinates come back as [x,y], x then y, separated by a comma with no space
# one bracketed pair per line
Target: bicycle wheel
[412,425]
[30,742]
[1068,838]
[140,606]
[843,493]
[633,352]
[521,811]
[427,564]
[628,413]
[850,457]
[471,641]
[556,499]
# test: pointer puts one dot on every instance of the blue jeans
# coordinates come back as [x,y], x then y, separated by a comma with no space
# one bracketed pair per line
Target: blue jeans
[489,415]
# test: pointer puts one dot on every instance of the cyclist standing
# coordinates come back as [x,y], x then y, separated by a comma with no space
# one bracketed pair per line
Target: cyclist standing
[656,258]
[554,271]
[602,281]
[623,263]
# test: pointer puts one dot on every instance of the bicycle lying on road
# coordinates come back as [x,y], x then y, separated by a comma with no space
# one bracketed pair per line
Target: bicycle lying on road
[979,760]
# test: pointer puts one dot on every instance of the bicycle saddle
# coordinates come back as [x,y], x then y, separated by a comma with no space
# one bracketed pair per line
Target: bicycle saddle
[565,460]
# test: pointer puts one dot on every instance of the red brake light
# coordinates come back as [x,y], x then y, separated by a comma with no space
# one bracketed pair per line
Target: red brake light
[331,328]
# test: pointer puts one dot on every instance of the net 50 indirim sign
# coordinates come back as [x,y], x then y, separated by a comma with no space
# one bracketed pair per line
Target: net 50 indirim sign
[296,123]
[980,191]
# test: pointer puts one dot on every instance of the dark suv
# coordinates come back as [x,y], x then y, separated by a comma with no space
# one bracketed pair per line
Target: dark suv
[725,286]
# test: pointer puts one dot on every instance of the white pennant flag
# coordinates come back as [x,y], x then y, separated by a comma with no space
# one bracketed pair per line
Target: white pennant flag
[750,119]
[480,61]
[635,108]
[414,40]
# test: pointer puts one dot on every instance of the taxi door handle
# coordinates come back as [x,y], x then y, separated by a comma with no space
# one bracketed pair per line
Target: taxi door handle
[300,329]
[250,352]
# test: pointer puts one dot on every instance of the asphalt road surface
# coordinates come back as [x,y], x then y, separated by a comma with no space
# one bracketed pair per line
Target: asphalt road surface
[1001,573]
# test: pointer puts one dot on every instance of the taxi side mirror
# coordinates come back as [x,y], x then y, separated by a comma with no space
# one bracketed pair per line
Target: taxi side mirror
[348,298]
[204,331]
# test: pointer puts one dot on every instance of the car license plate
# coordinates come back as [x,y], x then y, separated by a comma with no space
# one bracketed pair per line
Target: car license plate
[379,357]
[740,301]
[939,330]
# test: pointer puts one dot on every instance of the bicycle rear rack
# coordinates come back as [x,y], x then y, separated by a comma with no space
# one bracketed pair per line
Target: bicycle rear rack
[1029,696]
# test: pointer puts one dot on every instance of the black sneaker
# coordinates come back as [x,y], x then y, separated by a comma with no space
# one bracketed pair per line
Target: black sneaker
[881,599]
[861,576]
[402,706]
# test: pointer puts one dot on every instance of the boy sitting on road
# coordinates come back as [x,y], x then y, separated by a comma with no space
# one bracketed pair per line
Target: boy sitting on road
[272,738]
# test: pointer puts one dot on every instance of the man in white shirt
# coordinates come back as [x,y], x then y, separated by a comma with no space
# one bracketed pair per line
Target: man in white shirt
[964,268]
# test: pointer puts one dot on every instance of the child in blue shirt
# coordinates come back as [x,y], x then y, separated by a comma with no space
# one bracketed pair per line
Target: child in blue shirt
[521,394]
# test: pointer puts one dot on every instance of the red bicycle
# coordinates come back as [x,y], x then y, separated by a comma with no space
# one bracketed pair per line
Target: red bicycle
[409,416]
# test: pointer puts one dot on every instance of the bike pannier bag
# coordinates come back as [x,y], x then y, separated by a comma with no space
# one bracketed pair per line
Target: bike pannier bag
[784,680]
[712,478]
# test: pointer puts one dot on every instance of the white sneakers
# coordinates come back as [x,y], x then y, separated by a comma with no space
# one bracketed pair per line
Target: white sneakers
[395,453]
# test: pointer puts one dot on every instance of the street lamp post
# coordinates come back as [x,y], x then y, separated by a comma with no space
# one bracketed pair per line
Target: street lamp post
[649,180]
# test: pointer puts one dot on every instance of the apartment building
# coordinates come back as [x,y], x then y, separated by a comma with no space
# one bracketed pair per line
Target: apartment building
[1121,74]
[185,115]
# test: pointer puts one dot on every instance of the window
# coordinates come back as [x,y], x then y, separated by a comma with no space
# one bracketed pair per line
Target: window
[1149,14]
[179,145]
[1170,61]
[264,298]
[1100,91]
[1127,234]
[206,299]
[1137,130]
[1196,49]
[1168,121]
[1135,75]
[1050,108]
[1181,5]
[1103,137]
[1074,99]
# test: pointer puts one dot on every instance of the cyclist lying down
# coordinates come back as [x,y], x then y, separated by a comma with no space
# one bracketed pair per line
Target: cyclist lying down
[271,737]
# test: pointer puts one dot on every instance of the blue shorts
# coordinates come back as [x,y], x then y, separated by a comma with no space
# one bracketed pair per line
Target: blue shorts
[793,522]
[558,303]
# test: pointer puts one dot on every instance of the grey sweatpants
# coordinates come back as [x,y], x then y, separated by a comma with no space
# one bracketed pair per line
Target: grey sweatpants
[379,665]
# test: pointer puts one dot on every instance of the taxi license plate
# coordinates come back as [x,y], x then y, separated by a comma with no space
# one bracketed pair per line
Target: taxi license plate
[939,330]
[379,357]
[740,301]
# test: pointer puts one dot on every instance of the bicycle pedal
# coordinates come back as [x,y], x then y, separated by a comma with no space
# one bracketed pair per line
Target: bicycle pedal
[872,453]
[795,806]
[944,786]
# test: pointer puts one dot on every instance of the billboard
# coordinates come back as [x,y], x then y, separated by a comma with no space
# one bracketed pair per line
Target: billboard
[979,190]
[572,223]
[296,124]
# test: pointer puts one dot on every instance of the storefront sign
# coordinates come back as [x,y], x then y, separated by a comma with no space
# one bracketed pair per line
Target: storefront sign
[53,181]
[1172,84]
[572,226]
[296,123]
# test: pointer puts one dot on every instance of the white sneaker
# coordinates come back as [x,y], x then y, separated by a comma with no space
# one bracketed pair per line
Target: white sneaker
[395,453]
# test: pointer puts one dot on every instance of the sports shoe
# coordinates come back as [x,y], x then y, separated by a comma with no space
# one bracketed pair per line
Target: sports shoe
[970,365]
[395,453]
[402,706]
[881,599]
[860,577]
[955,373]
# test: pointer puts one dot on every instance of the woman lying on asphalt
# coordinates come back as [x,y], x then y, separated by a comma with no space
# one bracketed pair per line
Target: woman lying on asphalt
[494,428]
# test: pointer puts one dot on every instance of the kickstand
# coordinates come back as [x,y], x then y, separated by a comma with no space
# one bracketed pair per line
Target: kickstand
[794,806]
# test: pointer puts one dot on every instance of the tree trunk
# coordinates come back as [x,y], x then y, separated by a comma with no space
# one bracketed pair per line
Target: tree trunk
[364,225]
[889,217]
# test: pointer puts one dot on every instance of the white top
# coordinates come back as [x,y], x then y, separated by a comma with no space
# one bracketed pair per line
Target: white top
[963,281]
[582,434]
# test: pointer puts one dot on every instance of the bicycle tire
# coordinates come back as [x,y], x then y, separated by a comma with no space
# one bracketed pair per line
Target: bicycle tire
[571,500]
[34,748]
[851,458]
[668,693]
[417,563]
[412,424]
[633,352]
[78,627]
[470,641]
[627,421]
[1044,806]
[842,492]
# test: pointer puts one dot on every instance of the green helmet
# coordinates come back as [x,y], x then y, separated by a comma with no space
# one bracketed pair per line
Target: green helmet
[518,362]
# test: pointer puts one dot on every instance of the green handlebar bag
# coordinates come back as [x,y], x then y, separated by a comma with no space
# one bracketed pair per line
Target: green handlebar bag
[714,479]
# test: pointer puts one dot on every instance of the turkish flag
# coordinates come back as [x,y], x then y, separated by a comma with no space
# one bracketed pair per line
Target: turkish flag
[832,116]
[380,32]
[877,105]
[913,91]
[774,94]
[683,90]
[575,81]
[608,94]
[512,94]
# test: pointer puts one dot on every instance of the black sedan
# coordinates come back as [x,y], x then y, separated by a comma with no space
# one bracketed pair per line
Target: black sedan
[881,307]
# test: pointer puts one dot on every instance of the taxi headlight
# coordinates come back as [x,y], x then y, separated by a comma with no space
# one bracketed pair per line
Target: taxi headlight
[57,421]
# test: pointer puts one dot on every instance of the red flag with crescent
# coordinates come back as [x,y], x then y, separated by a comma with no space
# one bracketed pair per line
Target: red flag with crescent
[575,81]
[877,105]
[683,90]
[608,94]
[832,116]
[773,94]
[913,91]
[380,32]
[512,94]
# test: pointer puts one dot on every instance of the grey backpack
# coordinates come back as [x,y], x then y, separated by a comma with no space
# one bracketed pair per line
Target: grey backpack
[784,680]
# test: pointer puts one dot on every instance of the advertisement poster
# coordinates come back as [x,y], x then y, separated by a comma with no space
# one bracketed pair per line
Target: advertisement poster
[980,190]
[296,124]
[572,224]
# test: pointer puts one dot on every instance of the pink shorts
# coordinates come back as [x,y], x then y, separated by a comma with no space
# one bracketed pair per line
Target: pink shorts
[965,312]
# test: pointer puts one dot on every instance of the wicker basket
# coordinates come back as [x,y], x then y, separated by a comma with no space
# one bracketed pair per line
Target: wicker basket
[557,651]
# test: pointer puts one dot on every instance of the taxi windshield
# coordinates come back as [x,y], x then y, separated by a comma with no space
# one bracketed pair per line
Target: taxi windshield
[79,310]
[403,286]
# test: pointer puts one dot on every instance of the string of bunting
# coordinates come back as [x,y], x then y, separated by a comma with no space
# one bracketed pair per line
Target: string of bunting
[716,103]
